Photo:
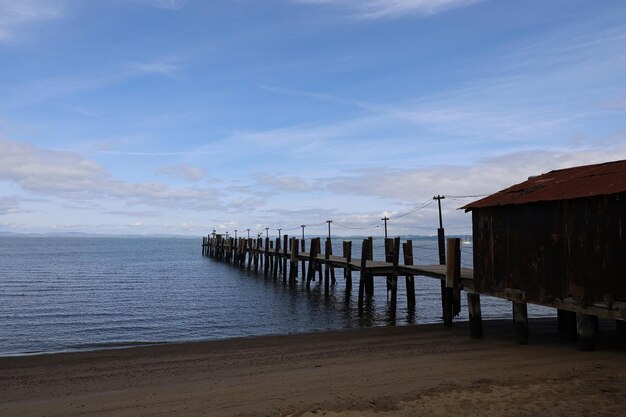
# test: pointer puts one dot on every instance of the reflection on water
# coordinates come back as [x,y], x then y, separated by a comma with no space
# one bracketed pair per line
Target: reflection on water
[80,293]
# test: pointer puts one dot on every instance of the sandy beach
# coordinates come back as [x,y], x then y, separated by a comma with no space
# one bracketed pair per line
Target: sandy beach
[403,371]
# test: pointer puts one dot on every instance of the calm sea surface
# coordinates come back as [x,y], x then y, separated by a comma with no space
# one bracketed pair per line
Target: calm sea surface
[64,294]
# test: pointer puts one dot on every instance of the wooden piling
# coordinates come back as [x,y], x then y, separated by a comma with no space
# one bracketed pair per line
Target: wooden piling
[395,259]
[388,259]
[369,278]
[520,317]
[250,252]
[347,271]
[587,330]
[475,315]
[266,255]
[256,255]
[363,274]
[277,262]
[326,265]
[566,321]
[410,279]
[451,293]
[293,264]
[303,249]
[285,252]
[312,262]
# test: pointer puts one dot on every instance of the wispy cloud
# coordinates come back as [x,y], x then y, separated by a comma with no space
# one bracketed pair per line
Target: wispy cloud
[17,16]
[164,4]
[70,176]
[158,68]
[183,172]
[40,90]
[377,9]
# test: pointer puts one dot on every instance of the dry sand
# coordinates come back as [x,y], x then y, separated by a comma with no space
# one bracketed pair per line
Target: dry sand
[404,371]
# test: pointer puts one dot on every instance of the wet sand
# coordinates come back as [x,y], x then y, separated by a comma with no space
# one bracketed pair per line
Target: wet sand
[403,371]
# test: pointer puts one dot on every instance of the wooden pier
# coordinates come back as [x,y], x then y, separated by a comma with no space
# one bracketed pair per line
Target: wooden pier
[281,258]
[287,258]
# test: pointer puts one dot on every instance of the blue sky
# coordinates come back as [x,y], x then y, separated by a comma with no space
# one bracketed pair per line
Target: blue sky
[177,117]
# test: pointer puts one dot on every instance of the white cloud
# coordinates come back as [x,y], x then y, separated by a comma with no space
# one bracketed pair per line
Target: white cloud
[376,9]
[284,183]
[17,16]
[486,176]
[70,176]
[183,172]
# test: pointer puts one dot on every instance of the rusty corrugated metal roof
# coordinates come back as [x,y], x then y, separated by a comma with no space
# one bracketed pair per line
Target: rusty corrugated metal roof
[562,184]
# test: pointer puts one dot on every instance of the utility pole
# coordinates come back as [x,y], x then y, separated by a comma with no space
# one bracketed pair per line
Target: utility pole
[439,198]
[329,222]
[385,220]
[248,230]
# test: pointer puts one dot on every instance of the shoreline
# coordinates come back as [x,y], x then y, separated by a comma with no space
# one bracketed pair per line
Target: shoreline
[382,371]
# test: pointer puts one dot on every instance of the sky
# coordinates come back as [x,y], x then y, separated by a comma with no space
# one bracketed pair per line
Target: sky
[184,116]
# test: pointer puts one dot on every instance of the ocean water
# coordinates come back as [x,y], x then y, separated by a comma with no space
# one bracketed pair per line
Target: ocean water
[66,294]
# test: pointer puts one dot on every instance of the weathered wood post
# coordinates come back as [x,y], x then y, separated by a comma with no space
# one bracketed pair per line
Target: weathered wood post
[395,259]
[363,274]
[277,260]
[475,315]
[293,264]
[520,317]
[266,256]
[452,281]
[285,252]
[318,264]
[312,262]
[347,271]
[410,280]
[256,255]
[271,257]
[327,266]
[566,321]
[249,244]
[303,249]
[587,329]
[369,284]
[388,259]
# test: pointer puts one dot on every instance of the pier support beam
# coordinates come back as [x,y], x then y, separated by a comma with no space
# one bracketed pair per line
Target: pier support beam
[410,280]
[327,266]
[293,261]
[566,321]
[475,316]
[363,275]
[285,254]
[520,317]
[452,291]
[395,258]
[347,271]
[587,329]
[369,281]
